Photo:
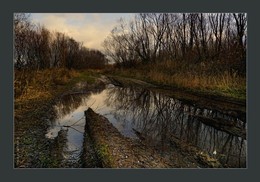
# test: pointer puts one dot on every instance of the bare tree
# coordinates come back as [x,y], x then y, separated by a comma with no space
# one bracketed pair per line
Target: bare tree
[217,22]
[73,52]
[241,26]
[21,27]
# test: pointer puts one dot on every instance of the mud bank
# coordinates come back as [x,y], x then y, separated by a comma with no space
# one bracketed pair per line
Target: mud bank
[113,150]
[105,147]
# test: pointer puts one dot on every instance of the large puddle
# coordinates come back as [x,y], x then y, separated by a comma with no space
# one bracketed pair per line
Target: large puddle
[137,113]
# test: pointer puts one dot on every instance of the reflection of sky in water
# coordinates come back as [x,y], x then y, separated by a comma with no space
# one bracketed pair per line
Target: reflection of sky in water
[99,105]
[75,117]
[75,132]
[152,114]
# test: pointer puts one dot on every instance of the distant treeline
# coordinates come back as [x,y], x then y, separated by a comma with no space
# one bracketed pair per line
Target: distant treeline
[189,37]
[35,47]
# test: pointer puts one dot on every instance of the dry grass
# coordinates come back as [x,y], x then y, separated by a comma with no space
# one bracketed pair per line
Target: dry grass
[208,77]
[40,84]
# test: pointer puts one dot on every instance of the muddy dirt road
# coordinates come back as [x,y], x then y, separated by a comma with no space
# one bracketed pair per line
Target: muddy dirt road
[159,127]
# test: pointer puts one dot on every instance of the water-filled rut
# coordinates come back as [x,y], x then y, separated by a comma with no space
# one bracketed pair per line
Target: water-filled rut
[142,114]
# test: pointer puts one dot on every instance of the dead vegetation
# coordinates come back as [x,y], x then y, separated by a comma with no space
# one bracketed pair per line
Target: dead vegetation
[40,84]
[204,77]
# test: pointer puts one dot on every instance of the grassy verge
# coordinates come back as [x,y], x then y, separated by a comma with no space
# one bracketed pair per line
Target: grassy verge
[31,85]
[35,93]
[206,78]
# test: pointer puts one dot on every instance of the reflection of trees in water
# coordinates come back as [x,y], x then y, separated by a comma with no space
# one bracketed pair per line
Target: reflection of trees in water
[70,102]
[158,117]
[61,151]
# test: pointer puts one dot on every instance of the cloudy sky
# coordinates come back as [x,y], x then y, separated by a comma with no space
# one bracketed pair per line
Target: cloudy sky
[89,28]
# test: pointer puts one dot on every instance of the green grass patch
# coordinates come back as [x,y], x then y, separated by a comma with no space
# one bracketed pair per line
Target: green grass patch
[104,155]
[86,77]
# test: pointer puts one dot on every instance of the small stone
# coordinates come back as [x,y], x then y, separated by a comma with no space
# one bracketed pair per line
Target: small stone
[215,152]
